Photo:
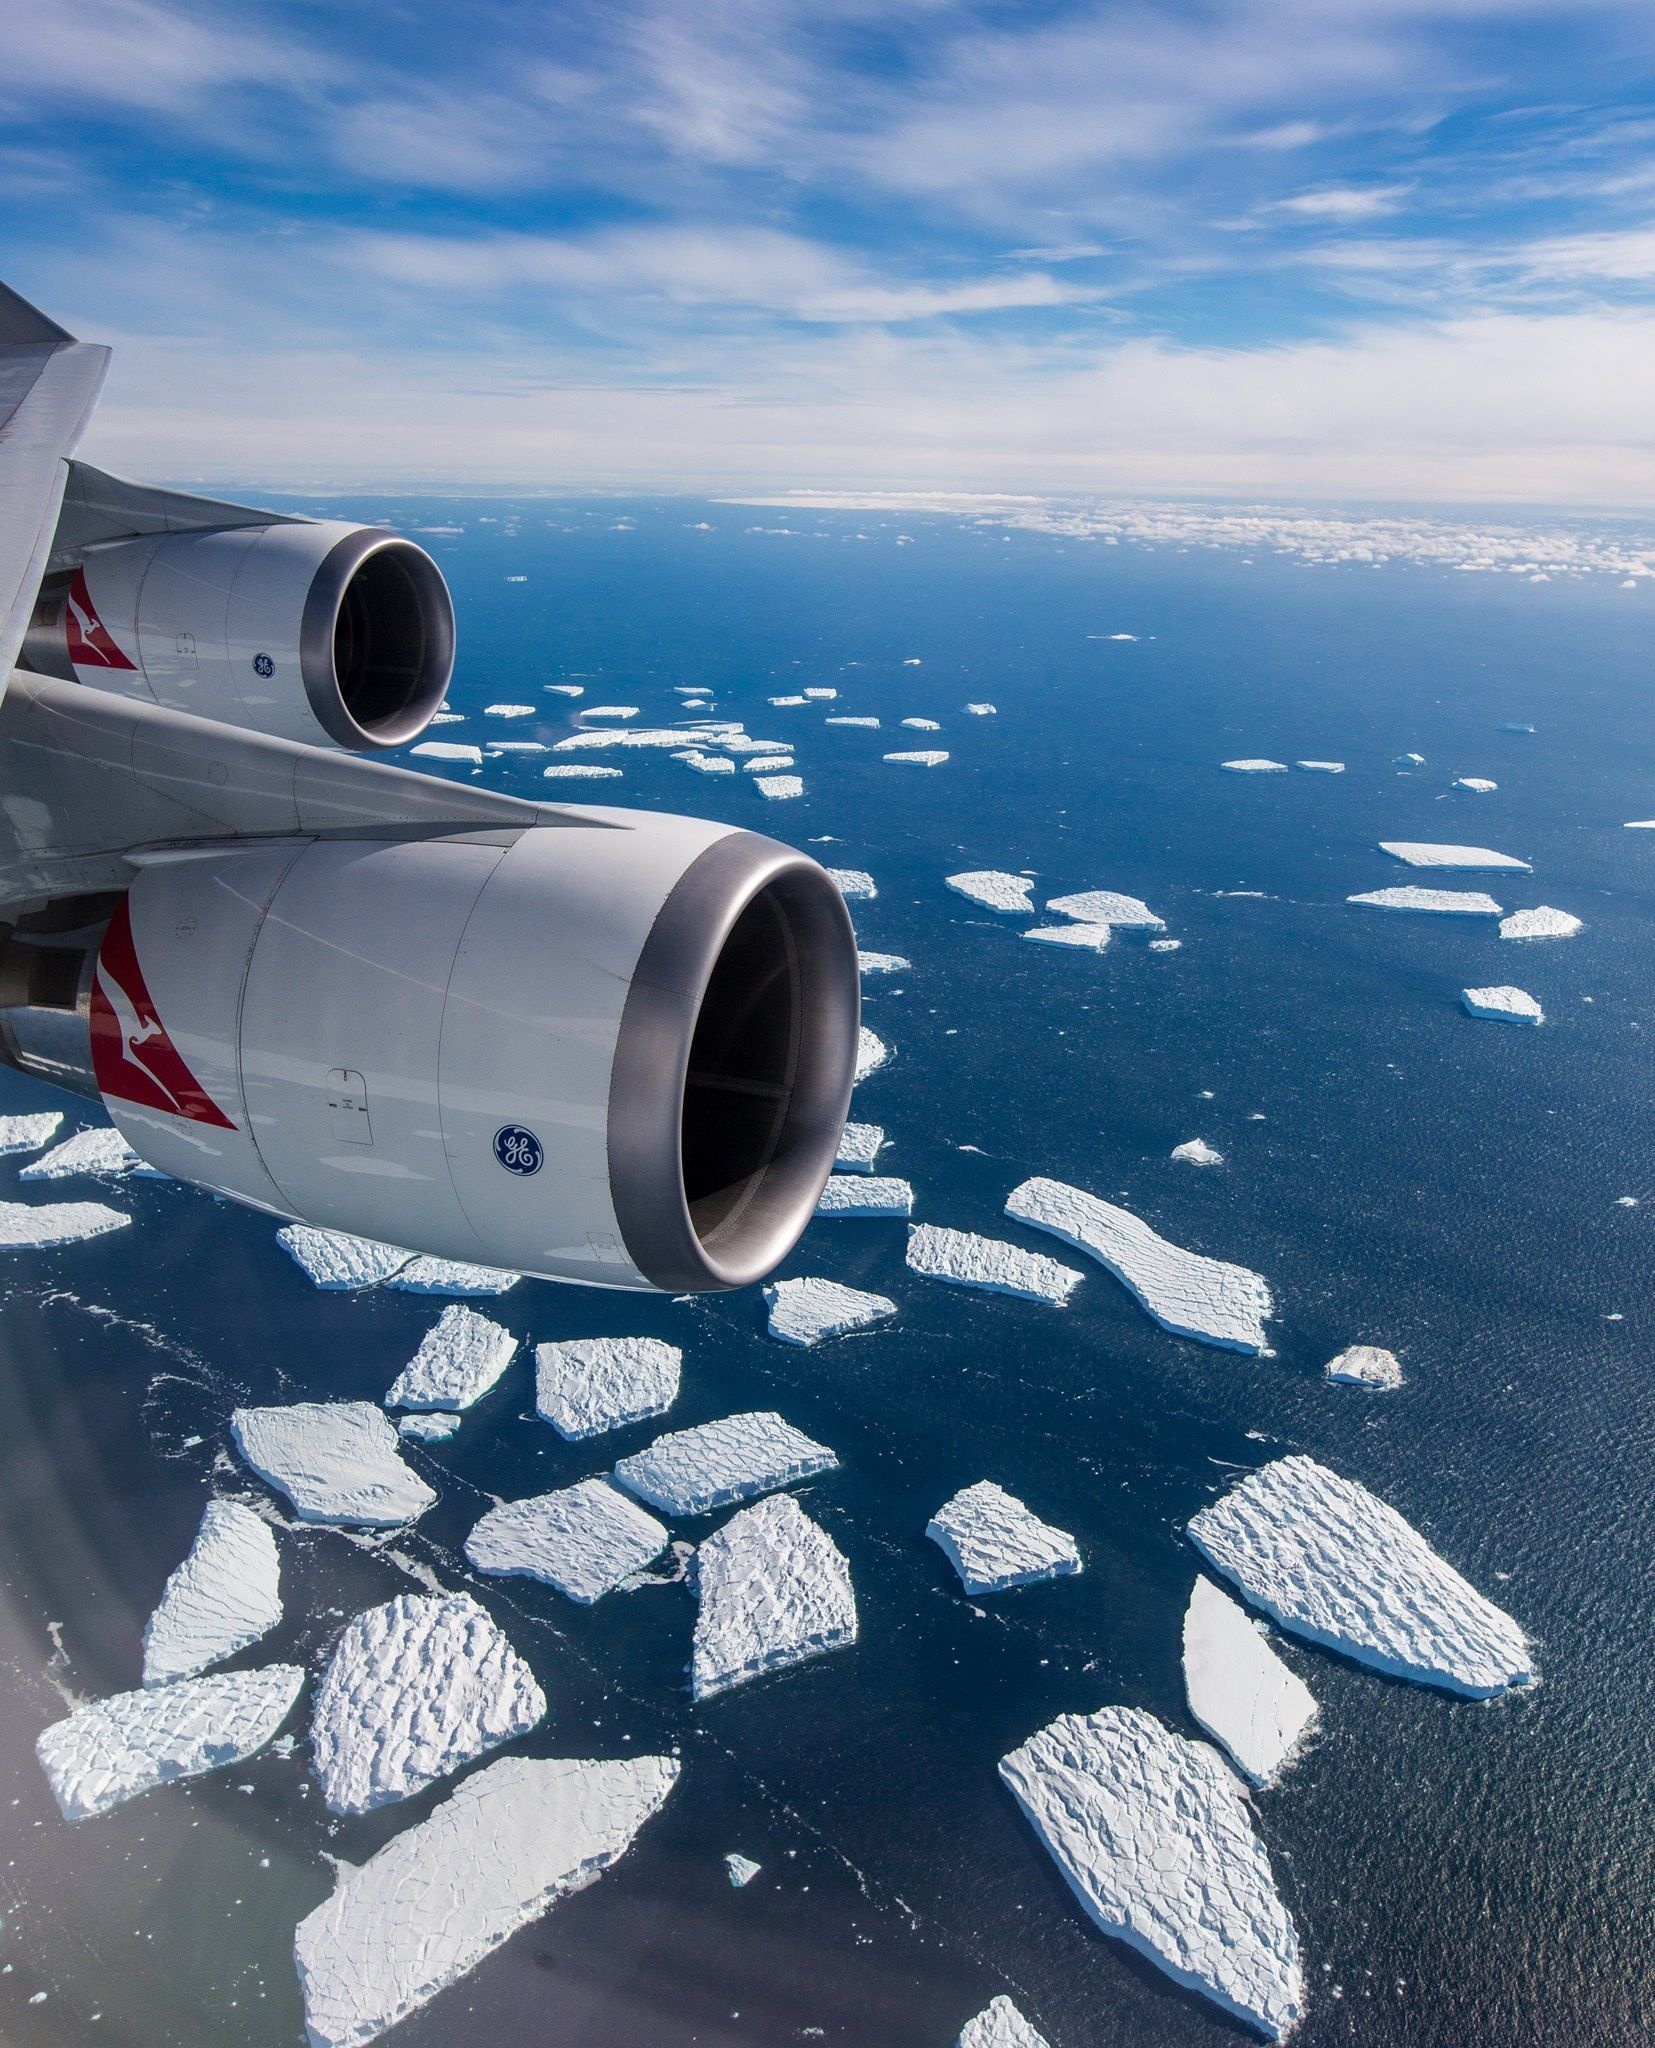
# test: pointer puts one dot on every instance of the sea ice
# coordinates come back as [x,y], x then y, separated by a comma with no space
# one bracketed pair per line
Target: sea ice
[1187,1293]
[706,764]
[28,1133]
[1421,854]
[1504,1005]
[337,1461]
[432,1426]
[865,1195]
[452,1276]
[788,702]
[1106,906]
[605,711]
[1081,938]
[460,1357]
[1197,1152]
[1365,1365]
[964,1259]
[1479,785]
[768,764]
[931,758]
[1153,1834]
[565,689]
[1449,902]
[584,1539]
[981,710]
[1000,2025]
[805,1311]
[1409,761]
[871,1052]
[859,1147]
[508,711]
[994,1542]
[568,771]
[414,1690]
[1513,726]
[330,1259]
[1166,945]
[693,1471]
[1238,1688]
[110,1750]
[923,724]
[882,963]
[821,696]
[777,788]
[587,1385]
[1330,1562]
[1255,767]
[741,1870]
[1540,923]
[772,1588]
[439,1897]
[994,890]
[498,747]
[853,884]
[871,723]
[225,1595]
[97,1151]
[37,1226]
[449,750]
[1322,767]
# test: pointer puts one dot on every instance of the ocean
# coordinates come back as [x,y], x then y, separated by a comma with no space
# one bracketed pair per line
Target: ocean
[1463,1875]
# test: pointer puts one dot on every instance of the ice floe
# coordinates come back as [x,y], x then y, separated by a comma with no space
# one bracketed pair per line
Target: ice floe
[508,711]
[1329,1561]
[865,1195]
[97,1151]
[451,1276]
[1000,2025]
[1197,1152]
[928,758]
[923,724]
[414,1690]
[1479,785]
[565,689]
[1106,906]
[768,764]
[871,723]
[1321,767]
[449,750]
[981,710]
[38,1226]
[1365,1365]
[1255,767]
[225,1595]
[994,1542]
[882,963]
[741,1870]
[1238,1688]
[778,788]
[854,884]
[587,1385]
[871,1052]
[1445,902]
[820,696]
[585,1539]
[706,764]
[1187,1293]
[568,771]
[715,1464]
[607,711]
[808,1310]
[428,1426]
[964,1259]
[1153,1834]
[331,1259]
[439,1897]
[788,702]
[1409,761]
[1419,853]
[994,890]
[337,1461]
[859,1147]
[110,1750]
[460,1357]
[772,1588]
[1503,1005]
[1166,945]
[1540,923]
[28,1133]
[1080,938]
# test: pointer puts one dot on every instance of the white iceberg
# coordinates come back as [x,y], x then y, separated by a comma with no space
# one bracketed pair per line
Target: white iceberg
[1479,785]
[1186,1292]
[28,1133]
[37,1226]
[508,711]
[994,890]
[331,1259]
[1418,853]
[788,702]
[1330,1562]
[777,788]
[854,884]
[1409,761]
[97,1151]
[430,1426]
[981,710]
[429,1906]
[460,1357]
[568,771]
[498,748]
[1197,1152]
[601,710]
[110,1750]
[414,1690]
[772,1588]
[1255,767]
[1239,1689]
[806,1311]
[866,1195]
[768,764]
[1446,902]
[1321,767]
[931,758]
[871,1052]
[741,1870]
[923,724]
[1540,923]
[1000,2025]
[564,689]
[1504,1005]
[587,1385]
[337,1461]
[449,750]
[585,1539]
[882,963]
[963,1259]
[994,1542]
[872,723]
[1154,1836]
[1106,906]
[706,764]
[1365,1365]
[224,1596]
[820,696]
[714,1465]
[1165,945]
[1081,938]
[452,1276]
[859,1148]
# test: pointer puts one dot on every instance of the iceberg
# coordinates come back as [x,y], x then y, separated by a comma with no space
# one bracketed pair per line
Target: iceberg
[706,764]
[1166,945]
[1365,1365]
[788,702]
[567,771]
[508,711]
[871,1052]
[224,1596]
[428,1426]
[772,1588]
[1513,726]
[806,1311]
[994,890]
[768,764]
[777,788]
[1321,767]
[1447,902]
[603,710]
[1106,906]
[741,1870]
[38,1226]
[859,1148]
[337,1461]
[994,1542]
[820,696]
[854,884]
[427,1908]
[449,750]
[1081,938]
[460,1357]
[1417,853]
[981,710]
[1328,1561]
[1153,1834]
[28,1133]
[1186,1292]
[498,748]
[1504,1005]
[414,1690]
[585,1539]
[452,1276]
[1479,785]
[716,1464]
[1000,2025]
[929,758]
[865,1195]
[882,963]
[587,1385]
[871,723]
[96,1151]
[1409,761]
[1255,767]
[1197,1152]
[964,1259]
[331,1259]
[923,724]
[564,689]
[110,1750]
[1540,923]
[1239,1690]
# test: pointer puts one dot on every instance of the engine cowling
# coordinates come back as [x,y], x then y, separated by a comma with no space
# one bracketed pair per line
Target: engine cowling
[618,1051]
[303,629]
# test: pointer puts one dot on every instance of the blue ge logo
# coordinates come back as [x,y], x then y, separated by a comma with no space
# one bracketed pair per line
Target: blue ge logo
[518,1150]
[263,666]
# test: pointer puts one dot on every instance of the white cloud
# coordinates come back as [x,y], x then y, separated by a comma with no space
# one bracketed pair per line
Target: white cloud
[1342,202]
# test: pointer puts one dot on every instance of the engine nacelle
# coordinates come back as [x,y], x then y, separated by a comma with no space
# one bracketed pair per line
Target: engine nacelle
[618,1051]
[304,629]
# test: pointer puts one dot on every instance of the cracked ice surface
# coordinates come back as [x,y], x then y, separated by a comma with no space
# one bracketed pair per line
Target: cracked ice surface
[854,884]
[1153,1834]
[28,1133]
[112,1749]
[1330,1562]
[807,1310]
[337,1461]
[584,1539]
[413,1690]
[329,1258]
[225,1595]
[772,1588]
[777,788]
[452,1276]
[862,1194]
[1107,906]
[995,1542]
[964,1259]
[429,1906]
[859,1147]
[1184,1291]
[1418,853]
[37,1226]
[1447,902]
[693,1471]
[460,1357]
[1000,2025]
[994,890]
[96,1151]
[590,1384]
[1238,1688]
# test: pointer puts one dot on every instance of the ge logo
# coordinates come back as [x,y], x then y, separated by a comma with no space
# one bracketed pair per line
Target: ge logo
[518,1150]
[263,666]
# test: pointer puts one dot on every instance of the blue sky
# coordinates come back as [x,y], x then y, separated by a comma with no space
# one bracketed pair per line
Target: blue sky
[1285,248]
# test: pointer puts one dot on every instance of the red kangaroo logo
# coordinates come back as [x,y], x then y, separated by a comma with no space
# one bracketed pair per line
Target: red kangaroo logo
[133,1058]
[89,643]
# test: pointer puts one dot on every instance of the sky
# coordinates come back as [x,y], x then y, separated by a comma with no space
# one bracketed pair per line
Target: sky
[1295,250]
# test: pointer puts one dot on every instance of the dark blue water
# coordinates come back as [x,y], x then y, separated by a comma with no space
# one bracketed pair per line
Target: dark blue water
[1461,1874]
